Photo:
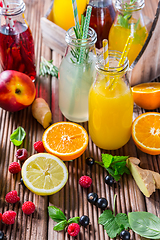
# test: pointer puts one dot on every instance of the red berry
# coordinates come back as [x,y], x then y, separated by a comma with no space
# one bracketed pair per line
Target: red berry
[28,207]
[85,181]
[14,167]
[0,216]
[22,154]
[38,146]
[8,217]
[1,4]
[12,197]
[73,229]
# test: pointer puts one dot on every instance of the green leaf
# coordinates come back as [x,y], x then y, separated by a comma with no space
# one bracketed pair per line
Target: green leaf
[145,224]
[105,217]
[56,214]
[60,226]
[122,21]
[17,136]
[122,219]
[73,220]
[107,159]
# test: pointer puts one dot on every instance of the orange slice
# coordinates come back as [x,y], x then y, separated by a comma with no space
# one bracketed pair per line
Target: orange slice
[146,132]
[65,140]
[147,95]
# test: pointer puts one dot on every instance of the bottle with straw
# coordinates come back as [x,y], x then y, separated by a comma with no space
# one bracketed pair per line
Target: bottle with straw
[110,100]
[77,69]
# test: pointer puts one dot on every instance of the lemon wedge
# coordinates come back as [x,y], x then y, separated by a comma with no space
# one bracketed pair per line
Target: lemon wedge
[44,174]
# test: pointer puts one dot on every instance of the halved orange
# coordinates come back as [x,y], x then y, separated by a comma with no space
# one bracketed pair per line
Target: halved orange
[146,132]
[65,140]
[147,95]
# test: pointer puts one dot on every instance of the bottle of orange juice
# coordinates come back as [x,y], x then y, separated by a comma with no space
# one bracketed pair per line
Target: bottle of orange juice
[129,20]
[110,104]
[63,12]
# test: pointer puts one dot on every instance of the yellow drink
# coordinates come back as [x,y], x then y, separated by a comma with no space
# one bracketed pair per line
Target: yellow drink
[110,112]
[118,36]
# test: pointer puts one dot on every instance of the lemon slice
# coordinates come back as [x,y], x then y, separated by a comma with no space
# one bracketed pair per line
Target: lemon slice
[44,174]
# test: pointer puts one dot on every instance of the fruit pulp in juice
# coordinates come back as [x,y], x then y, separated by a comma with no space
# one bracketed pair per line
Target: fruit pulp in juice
[74,84]
[17,49]
[118,37]
[102,17]
[110,114]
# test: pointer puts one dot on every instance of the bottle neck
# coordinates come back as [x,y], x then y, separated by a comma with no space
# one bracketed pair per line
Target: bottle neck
[128,6]
[13,8]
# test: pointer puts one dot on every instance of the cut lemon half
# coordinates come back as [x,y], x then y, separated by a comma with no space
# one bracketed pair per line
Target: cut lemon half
[147,95]
[65,140]
[44,174]
[146,132]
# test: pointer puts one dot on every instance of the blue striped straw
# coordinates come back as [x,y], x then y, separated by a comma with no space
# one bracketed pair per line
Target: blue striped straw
[75,11]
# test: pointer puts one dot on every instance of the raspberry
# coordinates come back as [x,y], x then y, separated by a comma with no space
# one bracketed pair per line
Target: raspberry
[12,197]
[0,216]
[21,154]
[85,181]
[14,167]
[73,229]
[38,146]
[28,207]
[8,217]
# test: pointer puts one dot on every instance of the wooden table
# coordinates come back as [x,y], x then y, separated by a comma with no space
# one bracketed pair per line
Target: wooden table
[72,199]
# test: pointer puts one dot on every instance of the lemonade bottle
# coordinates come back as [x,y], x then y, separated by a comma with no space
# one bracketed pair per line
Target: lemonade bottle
[110,104]
[128,20]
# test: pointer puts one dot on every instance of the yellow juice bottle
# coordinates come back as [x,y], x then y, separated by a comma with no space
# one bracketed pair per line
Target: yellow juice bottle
[110,105]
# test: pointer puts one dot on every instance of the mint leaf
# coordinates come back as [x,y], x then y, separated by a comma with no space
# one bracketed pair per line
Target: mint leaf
[60,226]
[56,214]
[107,159]
[122,21]
[73,220]
[145,224]
[17,136]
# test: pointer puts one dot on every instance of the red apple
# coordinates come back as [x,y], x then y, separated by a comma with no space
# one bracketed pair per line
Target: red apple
[17,91]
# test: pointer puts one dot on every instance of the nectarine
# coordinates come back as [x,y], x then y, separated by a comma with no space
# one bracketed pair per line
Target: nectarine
[17,91]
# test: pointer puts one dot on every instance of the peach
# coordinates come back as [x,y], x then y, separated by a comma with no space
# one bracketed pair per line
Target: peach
[17,91]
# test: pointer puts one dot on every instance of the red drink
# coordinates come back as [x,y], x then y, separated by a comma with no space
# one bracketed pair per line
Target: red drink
[17,49]
[102,17]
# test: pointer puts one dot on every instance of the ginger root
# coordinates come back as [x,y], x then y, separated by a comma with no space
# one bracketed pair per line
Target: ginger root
[148,181]
[42,112]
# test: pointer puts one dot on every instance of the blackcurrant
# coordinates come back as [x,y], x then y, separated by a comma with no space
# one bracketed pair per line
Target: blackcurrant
[21,182]
[84,220]
[90,161]
[92,197]
[109,180]
[1,235]
[125,235]
[102,203]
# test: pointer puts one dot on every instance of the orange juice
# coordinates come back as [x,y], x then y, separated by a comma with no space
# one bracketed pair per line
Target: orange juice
[110,110]
[63,12]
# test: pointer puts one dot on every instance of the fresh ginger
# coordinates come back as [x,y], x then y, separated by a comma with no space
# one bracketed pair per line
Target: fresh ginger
[42,112]
[148,181]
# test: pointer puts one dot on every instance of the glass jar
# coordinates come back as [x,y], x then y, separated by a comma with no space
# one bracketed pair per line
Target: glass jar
[77,72]
[102,17]
[111,104]
[16,42]
[128,21]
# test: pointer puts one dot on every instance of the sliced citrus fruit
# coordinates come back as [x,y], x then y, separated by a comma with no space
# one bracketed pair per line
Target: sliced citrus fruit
[66,140]
[146,132]
[44,174]
[147,95]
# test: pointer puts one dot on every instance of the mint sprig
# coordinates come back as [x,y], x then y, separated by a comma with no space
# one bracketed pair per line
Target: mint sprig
[58,216]
[47,68]
[115,165]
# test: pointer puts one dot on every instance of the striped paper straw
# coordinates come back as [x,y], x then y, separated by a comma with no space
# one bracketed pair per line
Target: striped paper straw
[105,53]
[85,31]
[126,50]
[75,12]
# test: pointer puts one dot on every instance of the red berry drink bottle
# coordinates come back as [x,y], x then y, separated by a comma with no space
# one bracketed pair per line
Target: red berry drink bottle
[102,17]
[16,41]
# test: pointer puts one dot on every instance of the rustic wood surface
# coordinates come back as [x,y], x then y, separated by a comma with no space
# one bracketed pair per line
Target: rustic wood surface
[72,199]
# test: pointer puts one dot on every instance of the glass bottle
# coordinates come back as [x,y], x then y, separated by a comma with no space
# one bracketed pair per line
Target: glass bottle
[16,42]
[102,17]
[111,104]
[77,71]
[128,21]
